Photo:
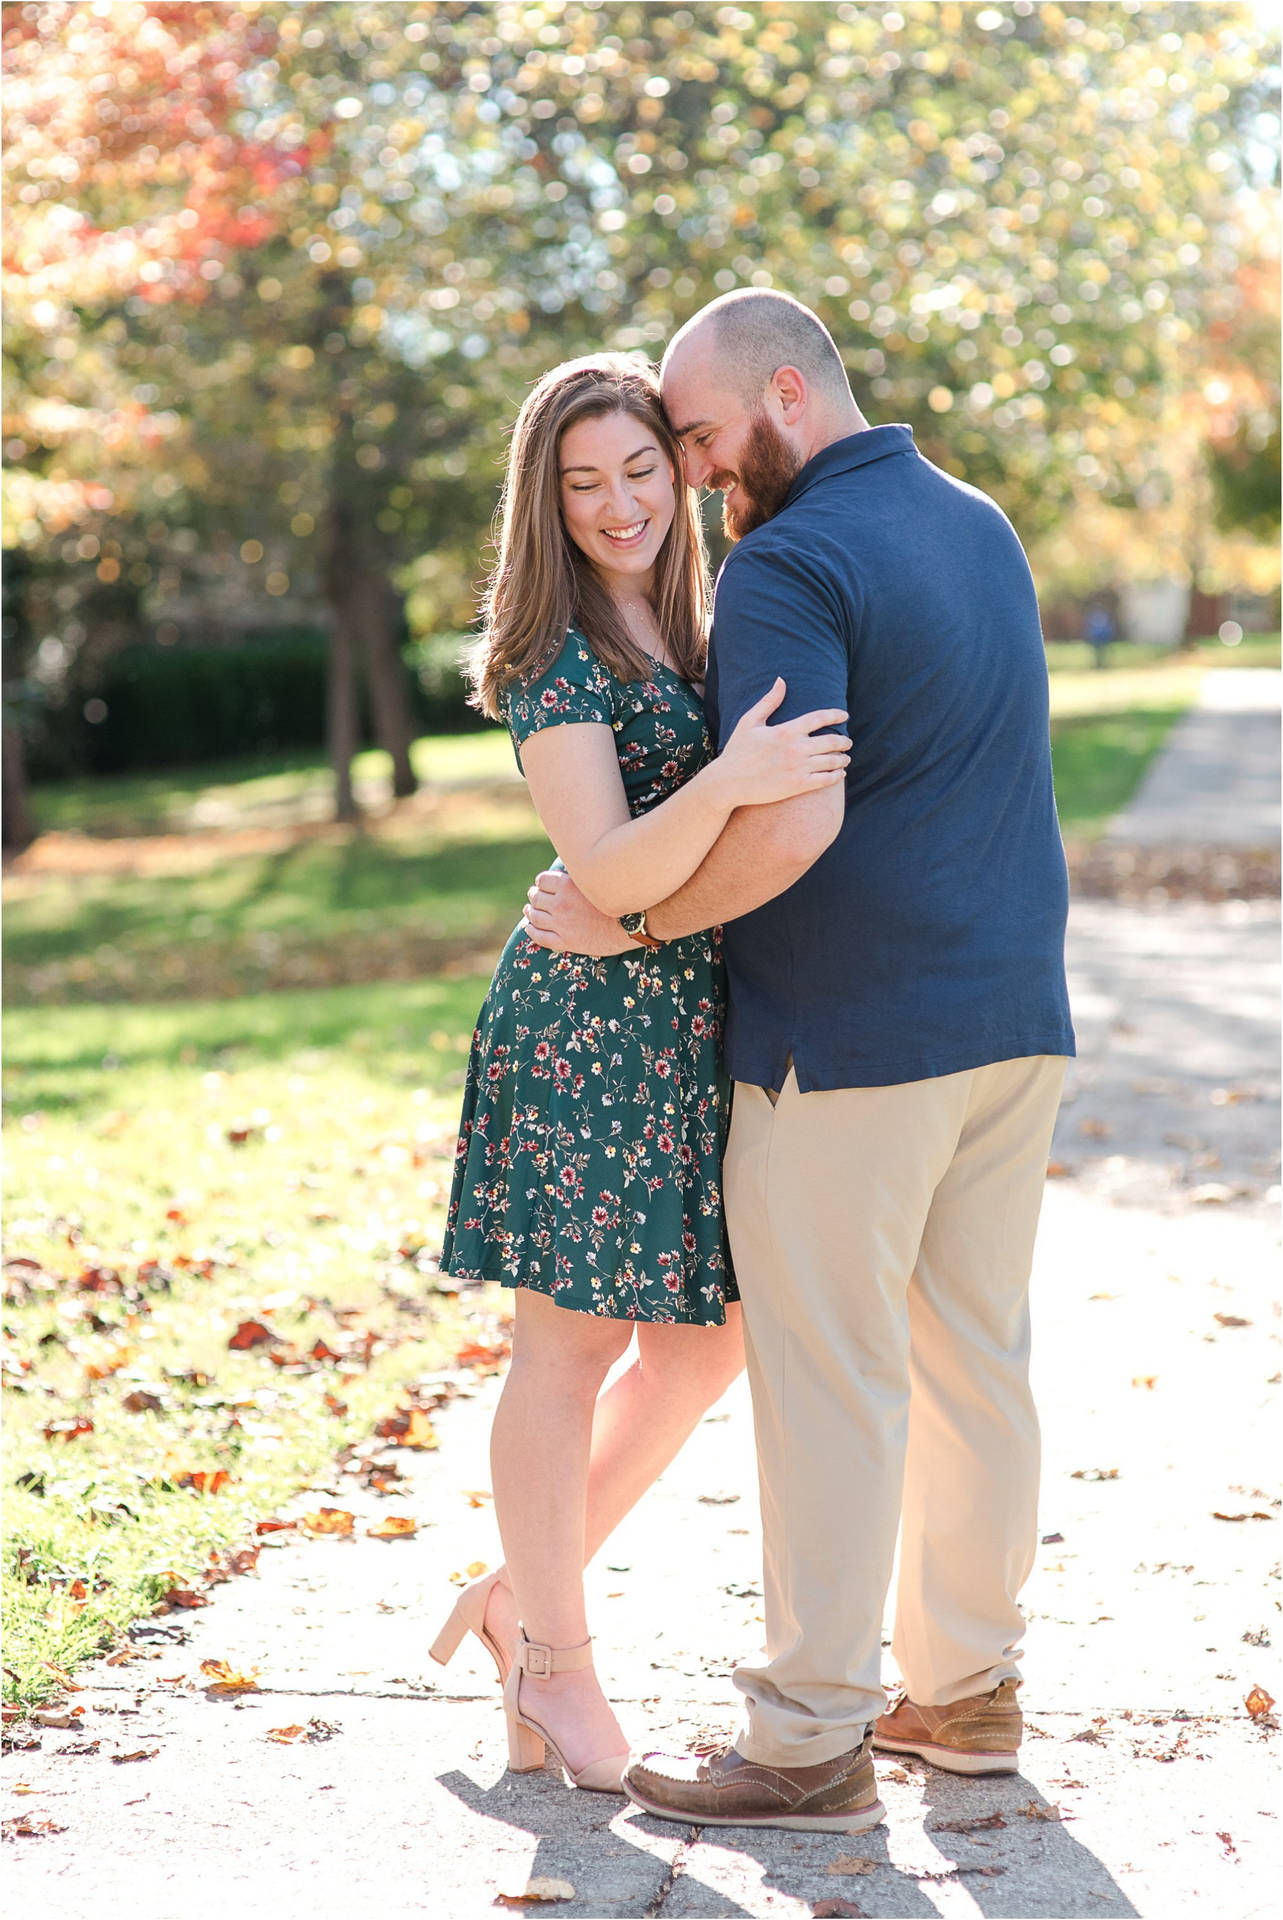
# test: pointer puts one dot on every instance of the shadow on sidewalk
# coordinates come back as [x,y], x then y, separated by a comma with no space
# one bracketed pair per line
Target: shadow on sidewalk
[1030,1866]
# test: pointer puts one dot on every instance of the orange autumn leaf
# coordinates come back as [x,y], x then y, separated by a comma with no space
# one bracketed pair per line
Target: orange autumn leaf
[274,1526]
[419,1431]
[1259,1703]
[250,1333]
[184,1597]
[286,1734]
[329,1520]
[222,1678]
[483,1357]
[394,1526]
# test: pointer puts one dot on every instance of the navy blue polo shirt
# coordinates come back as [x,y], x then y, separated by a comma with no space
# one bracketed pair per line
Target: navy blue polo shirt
[929,937]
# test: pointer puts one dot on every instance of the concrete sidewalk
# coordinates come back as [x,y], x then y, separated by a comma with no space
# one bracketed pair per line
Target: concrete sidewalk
[1216,782]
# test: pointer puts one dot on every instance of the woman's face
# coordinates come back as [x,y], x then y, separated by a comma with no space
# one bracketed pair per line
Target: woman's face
[618,496]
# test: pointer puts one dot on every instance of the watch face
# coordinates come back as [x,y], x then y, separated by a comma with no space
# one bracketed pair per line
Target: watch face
[633,922]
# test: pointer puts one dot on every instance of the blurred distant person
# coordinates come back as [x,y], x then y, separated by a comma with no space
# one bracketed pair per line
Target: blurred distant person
[588,1174]
[1101,631]
[897,1032]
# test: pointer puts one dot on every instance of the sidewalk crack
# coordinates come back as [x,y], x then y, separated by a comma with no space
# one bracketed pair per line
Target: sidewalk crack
[676,1867]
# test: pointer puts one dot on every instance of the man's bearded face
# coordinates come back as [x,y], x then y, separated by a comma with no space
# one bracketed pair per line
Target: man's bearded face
[767,468]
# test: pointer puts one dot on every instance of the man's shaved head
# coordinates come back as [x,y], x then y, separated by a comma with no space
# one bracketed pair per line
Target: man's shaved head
[754,330]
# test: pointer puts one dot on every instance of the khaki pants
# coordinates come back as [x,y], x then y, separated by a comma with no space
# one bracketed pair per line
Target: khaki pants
[883,1238]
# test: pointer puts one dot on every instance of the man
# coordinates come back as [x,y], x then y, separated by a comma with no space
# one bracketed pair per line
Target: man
[897,1035]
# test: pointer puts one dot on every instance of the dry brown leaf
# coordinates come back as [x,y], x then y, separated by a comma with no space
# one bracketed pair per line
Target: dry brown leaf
[394,1526]
[64,1679]
[837,1910]
[541,1891]
[851,1863]
[286,1734]
[25,1823]
[978,1823]
[1259,1703]
[1095,1473]
[1230,1320]
[329,1520]
[140,1753]
[1038,1810]
[221,1678]
[419,1432]
[58,1717]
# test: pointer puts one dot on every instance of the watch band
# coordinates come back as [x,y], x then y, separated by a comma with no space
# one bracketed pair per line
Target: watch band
[634,925]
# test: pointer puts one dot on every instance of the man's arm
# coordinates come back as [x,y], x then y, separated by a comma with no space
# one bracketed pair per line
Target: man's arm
[760,852]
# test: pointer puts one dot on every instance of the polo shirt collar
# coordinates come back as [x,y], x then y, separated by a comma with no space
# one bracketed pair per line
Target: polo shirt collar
[856,450]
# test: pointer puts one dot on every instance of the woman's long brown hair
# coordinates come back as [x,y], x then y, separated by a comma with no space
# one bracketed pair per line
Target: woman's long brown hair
[542,584]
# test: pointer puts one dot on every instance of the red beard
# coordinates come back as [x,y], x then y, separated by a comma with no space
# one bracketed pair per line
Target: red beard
[768,467]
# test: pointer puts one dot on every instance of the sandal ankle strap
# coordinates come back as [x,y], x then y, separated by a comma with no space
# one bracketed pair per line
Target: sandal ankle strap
[538,1660]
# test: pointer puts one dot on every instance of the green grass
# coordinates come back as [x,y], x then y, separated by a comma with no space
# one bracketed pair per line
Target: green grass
[261,790]
[173,1171]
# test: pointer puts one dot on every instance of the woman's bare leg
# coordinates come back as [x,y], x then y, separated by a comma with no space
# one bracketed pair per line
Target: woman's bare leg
[539,1454]
[639,1425]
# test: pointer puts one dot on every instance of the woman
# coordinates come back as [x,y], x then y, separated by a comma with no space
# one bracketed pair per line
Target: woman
[588,1173]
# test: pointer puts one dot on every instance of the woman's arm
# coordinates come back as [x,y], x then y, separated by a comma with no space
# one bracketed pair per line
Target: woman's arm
[624,865]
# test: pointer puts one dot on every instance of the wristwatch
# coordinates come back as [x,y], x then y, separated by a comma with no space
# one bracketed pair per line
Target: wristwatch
[634,925]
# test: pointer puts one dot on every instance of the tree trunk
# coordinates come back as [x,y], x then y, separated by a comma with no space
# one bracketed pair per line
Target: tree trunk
[19,828]
[389,694]
[341,715]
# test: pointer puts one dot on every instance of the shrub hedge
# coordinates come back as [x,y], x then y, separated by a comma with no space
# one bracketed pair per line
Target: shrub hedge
[171,706]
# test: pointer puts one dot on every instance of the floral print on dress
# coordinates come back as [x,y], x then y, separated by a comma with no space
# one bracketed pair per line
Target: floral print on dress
[596,1105]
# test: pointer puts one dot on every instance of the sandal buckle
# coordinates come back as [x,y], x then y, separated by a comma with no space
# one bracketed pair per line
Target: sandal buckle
[536,1659]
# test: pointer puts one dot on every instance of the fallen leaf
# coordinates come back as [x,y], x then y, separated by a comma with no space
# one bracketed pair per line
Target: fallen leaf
[419,1431]
[1053,1539]
[851,1863]
[477,1496]
[329,1520]
[1259,1703]
[718,1499]
[394,1526]
[540,1891]
[26,1823]
[1095,1473]
[1149,1380]
[142,1753]
[1039,1810]
[183,1597]
[979,1823]
[483,1357]
[897,1773]
[221,1678]
[64,1679]
[68,1430]
[1243,1516]
[837,1910]
[250,1333]
[274,1526]
[58,1717]
[1230,1320]
[286,1734]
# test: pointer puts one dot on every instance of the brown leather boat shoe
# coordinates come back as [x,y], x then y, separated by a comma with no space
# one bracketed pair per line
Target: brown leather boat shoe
[723,1789]
[978,1735]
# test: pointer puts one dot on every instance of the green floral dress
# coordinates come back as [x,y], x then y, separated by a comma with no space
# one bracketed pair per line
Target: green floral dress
[595,1111]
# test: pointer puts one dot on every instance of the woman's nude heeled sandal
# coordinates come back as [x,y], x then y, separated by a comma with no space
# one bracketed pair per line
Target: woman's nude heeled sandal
[527,1739]
[469,1616]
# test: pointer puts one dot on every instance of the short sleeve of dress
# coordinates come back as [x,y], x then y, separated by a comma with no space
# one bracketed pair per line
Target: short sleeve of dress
[574,686]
